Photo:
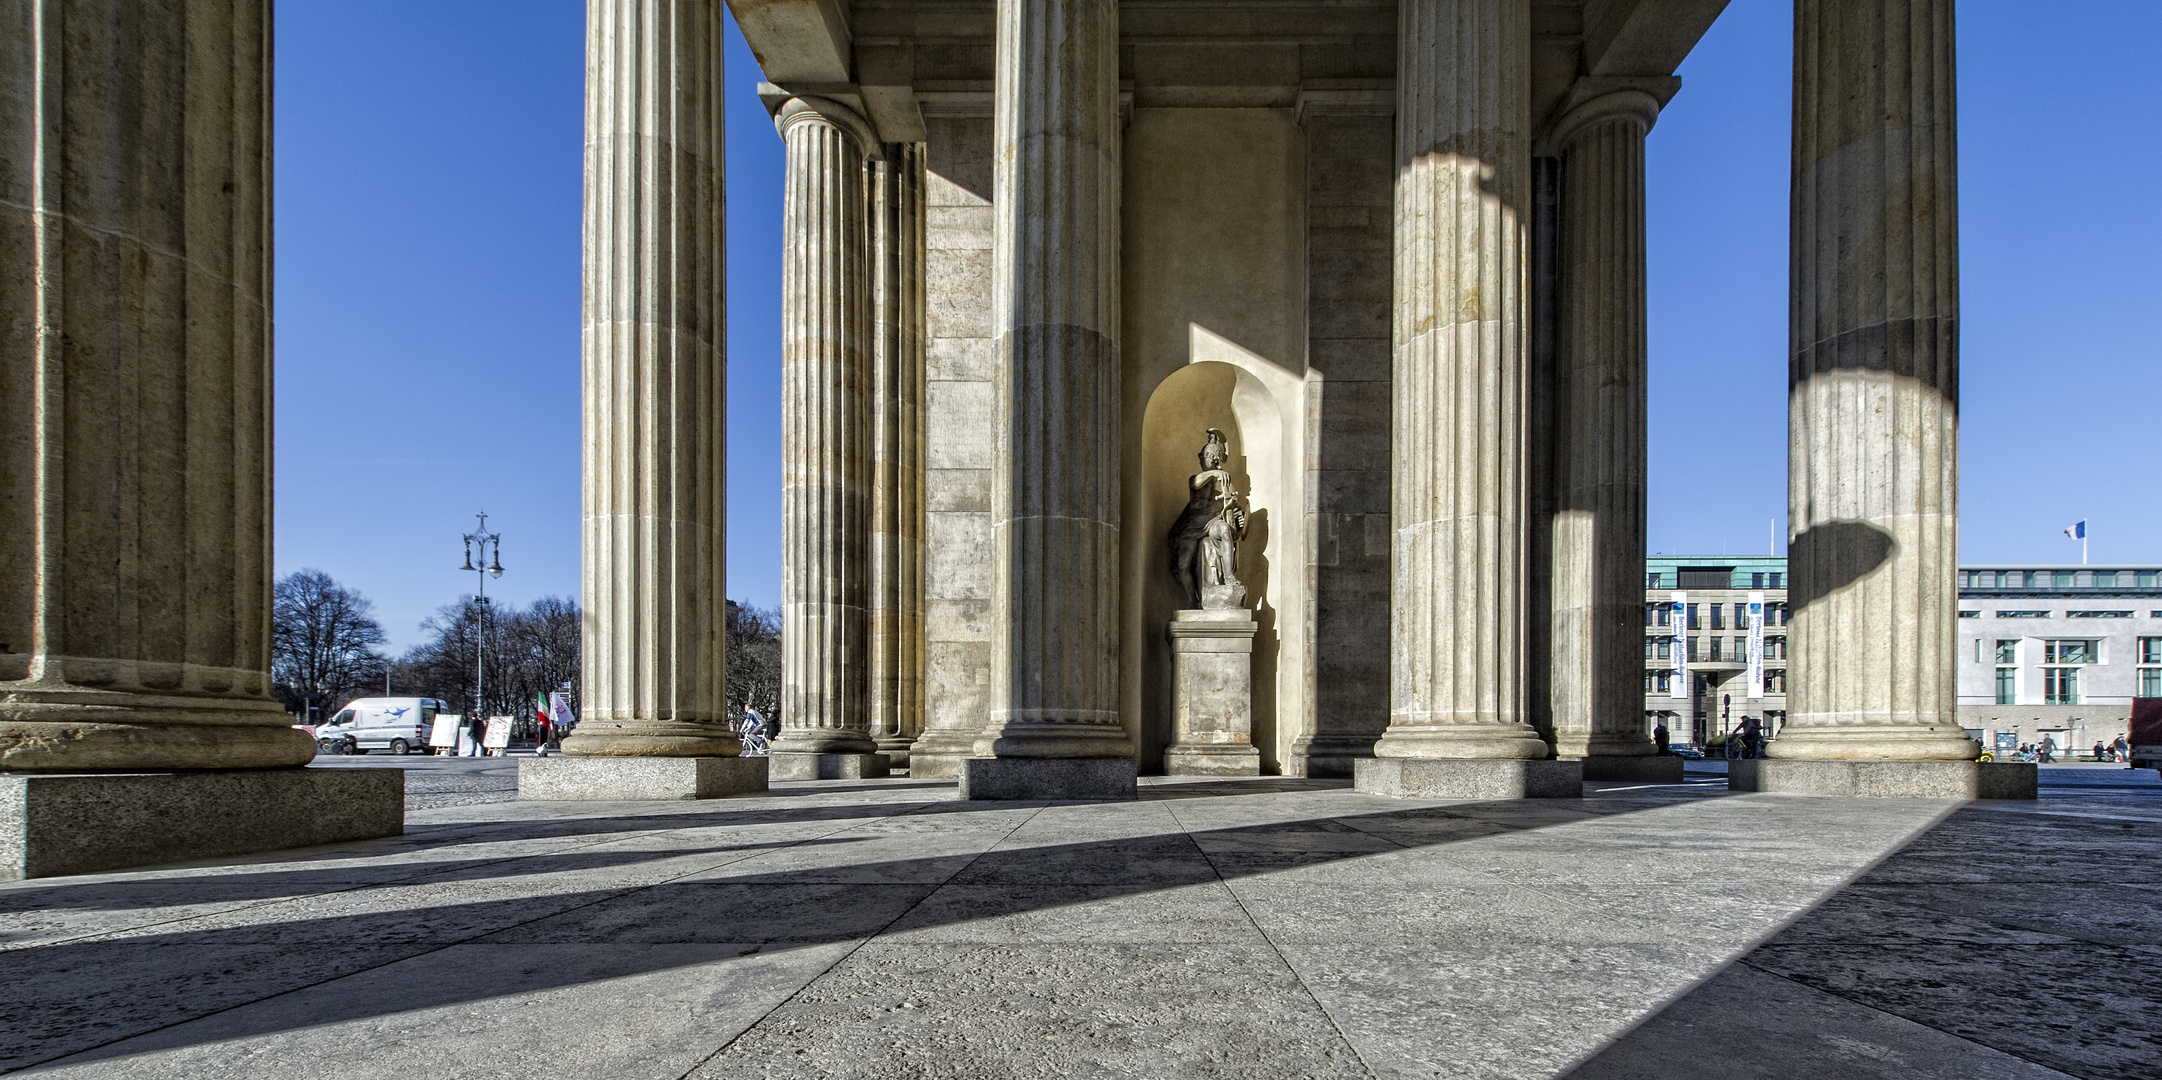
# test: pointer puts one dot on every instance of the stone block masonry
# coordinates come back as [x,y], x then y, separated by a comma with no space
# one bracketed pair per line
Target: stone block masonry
[607,779]
[84,823]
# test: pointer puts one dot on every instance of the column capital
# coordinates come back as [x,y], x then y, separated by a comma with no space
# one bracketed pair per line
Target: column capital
[791,107]
[1596,98]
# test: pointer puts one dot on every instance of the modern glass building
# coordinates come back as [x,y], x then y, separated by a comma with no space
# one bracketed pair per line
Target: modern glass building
[2045,651]
[1697,634]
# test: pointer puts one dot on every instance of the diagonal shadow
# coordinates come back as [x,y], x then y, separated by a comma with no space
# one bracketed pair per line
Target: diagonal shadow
[1993,943]
[56,1000]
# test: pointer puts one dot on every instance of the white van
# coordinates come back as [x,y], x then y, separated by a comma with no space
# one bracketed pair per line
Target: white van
[397,724]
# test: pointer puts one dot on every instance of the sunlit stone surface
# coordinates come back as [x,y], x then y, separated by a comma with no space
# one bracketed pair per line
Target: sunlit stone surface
[1216,927]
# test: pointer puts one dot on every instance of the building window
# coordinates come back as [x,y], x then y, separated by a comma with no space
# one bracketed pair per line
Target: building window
[1693,615]
[2011,579]
[1665,652]
[1775,582]
[2150,682]
[1756,581]
[2060,686]
[2008,650]
[1651,580]
[1665,683]
[1719,611]
[2146,579]
[2105,579]
[1692,648]
[2008,686]
[2150,650]
[1715,647]
[2066,579]
[1782,613]
[1647,682]
[2097,614]
[2069,651]
[2023,614]
[1965,614]
[1775,681]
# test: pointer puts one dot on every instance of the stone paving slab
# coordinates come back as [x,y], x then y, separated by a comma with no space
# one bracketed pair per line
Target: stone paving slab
[1235,928]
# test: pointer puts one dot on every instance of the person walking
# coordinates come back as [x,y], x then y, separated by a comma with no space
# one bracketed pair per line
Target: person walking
[1659,738]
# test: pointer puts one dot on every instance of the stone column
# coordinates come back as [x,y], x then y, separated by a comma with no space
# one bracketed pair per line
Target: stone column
[1463,206]
[135,470]
[135,444]
[826,429]
[1873,385]
[655,392]
[897,508]
[1598,435]
[1054,729]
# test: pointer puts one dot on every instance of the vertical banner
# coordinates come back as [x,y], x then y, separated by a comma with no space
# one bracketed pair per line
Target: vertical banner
[1756,645]
[1678,646]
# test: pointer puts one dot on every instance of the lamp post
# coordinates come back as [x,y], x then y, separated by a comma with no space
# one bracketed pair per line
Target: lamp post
[489,547]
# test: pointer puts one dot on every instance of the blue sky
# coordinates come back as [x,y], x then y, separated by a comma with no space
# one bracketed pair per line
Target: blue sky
[428,160]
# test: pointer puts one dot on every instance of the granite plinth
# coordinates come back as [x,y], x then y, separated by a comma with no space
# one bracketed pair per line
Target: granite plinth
[1212,760]
[1642,768]
[830,766]
[81,823]
[1887,779]
[1073,779]
[579,779]
[1447,778]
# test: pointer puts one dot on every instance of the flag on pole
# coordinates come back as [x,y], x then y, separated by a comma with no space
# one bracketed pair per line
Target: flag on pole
[2077,530]
[540,709]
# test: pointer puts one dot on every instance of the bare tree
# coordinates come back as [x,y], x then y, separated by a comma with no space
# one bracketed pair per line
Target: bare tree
[531,651]
[322,643]
[754,661]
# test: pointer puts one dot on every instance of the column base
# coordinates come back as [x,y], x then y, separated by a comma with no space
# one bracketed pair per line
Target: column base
[896,751]
[830,766]
[1206,760]
[83,823]
[631,779]
[1063,779]
[1636,768]
[1444,778]
[1886,779]
[1329,754]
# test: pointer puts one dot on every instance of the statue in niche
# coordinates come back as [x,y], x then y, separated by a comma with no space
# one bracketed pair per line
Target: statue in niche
[1205,540]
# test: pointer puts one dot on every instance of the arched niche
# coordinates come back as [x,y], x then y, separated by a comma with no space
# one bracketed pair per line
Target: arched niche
[1257,405]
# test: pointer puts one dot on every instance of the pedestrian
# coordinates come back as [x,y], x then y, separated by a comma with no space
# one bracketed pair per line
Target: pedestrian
[2099,751]
[1659,737]
[2118,749]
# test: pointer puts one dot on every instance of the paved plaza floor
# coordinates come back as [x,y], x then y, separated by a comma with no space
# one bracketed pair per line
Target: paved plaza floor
[1215,928]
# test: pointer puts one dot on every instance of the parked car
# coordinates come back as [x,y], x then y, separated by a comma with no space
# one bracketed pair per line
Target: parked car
[399,725]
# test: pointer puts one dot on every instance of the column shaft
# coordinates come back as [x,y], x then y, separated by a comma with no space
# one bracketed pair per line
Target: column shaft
[135,394]
[1873,385]
[1055,479]
[897,508]
[655,383]
[1599,431]
[826,427]
[1462,217]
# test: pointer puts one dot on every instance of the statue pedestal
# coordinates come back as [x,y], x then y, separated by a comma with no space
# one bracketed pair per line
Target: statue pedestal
[1212,694]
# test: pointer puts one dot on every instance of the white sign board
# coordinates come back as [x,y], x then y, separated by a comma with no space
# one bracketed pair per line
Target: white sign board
[498,734]
[1756,645]
[1679,645]
[445,732]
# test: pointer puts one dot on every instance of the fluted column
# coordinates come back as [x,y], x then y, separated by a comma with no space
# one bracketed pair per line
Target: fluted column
[1597,667]
[1055,481]
[135,389]
[655,384]
[1873,385]
[897,509]
[1457,618]
[826,428]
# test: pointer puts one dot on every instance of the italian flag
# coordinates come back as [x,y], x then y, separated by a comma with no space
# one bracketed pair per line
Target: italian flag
[540,710]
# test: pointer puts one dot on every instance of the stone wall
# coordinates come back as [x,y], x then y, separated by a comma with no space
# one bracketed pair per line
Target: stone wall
[1349,169]
[957,443]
